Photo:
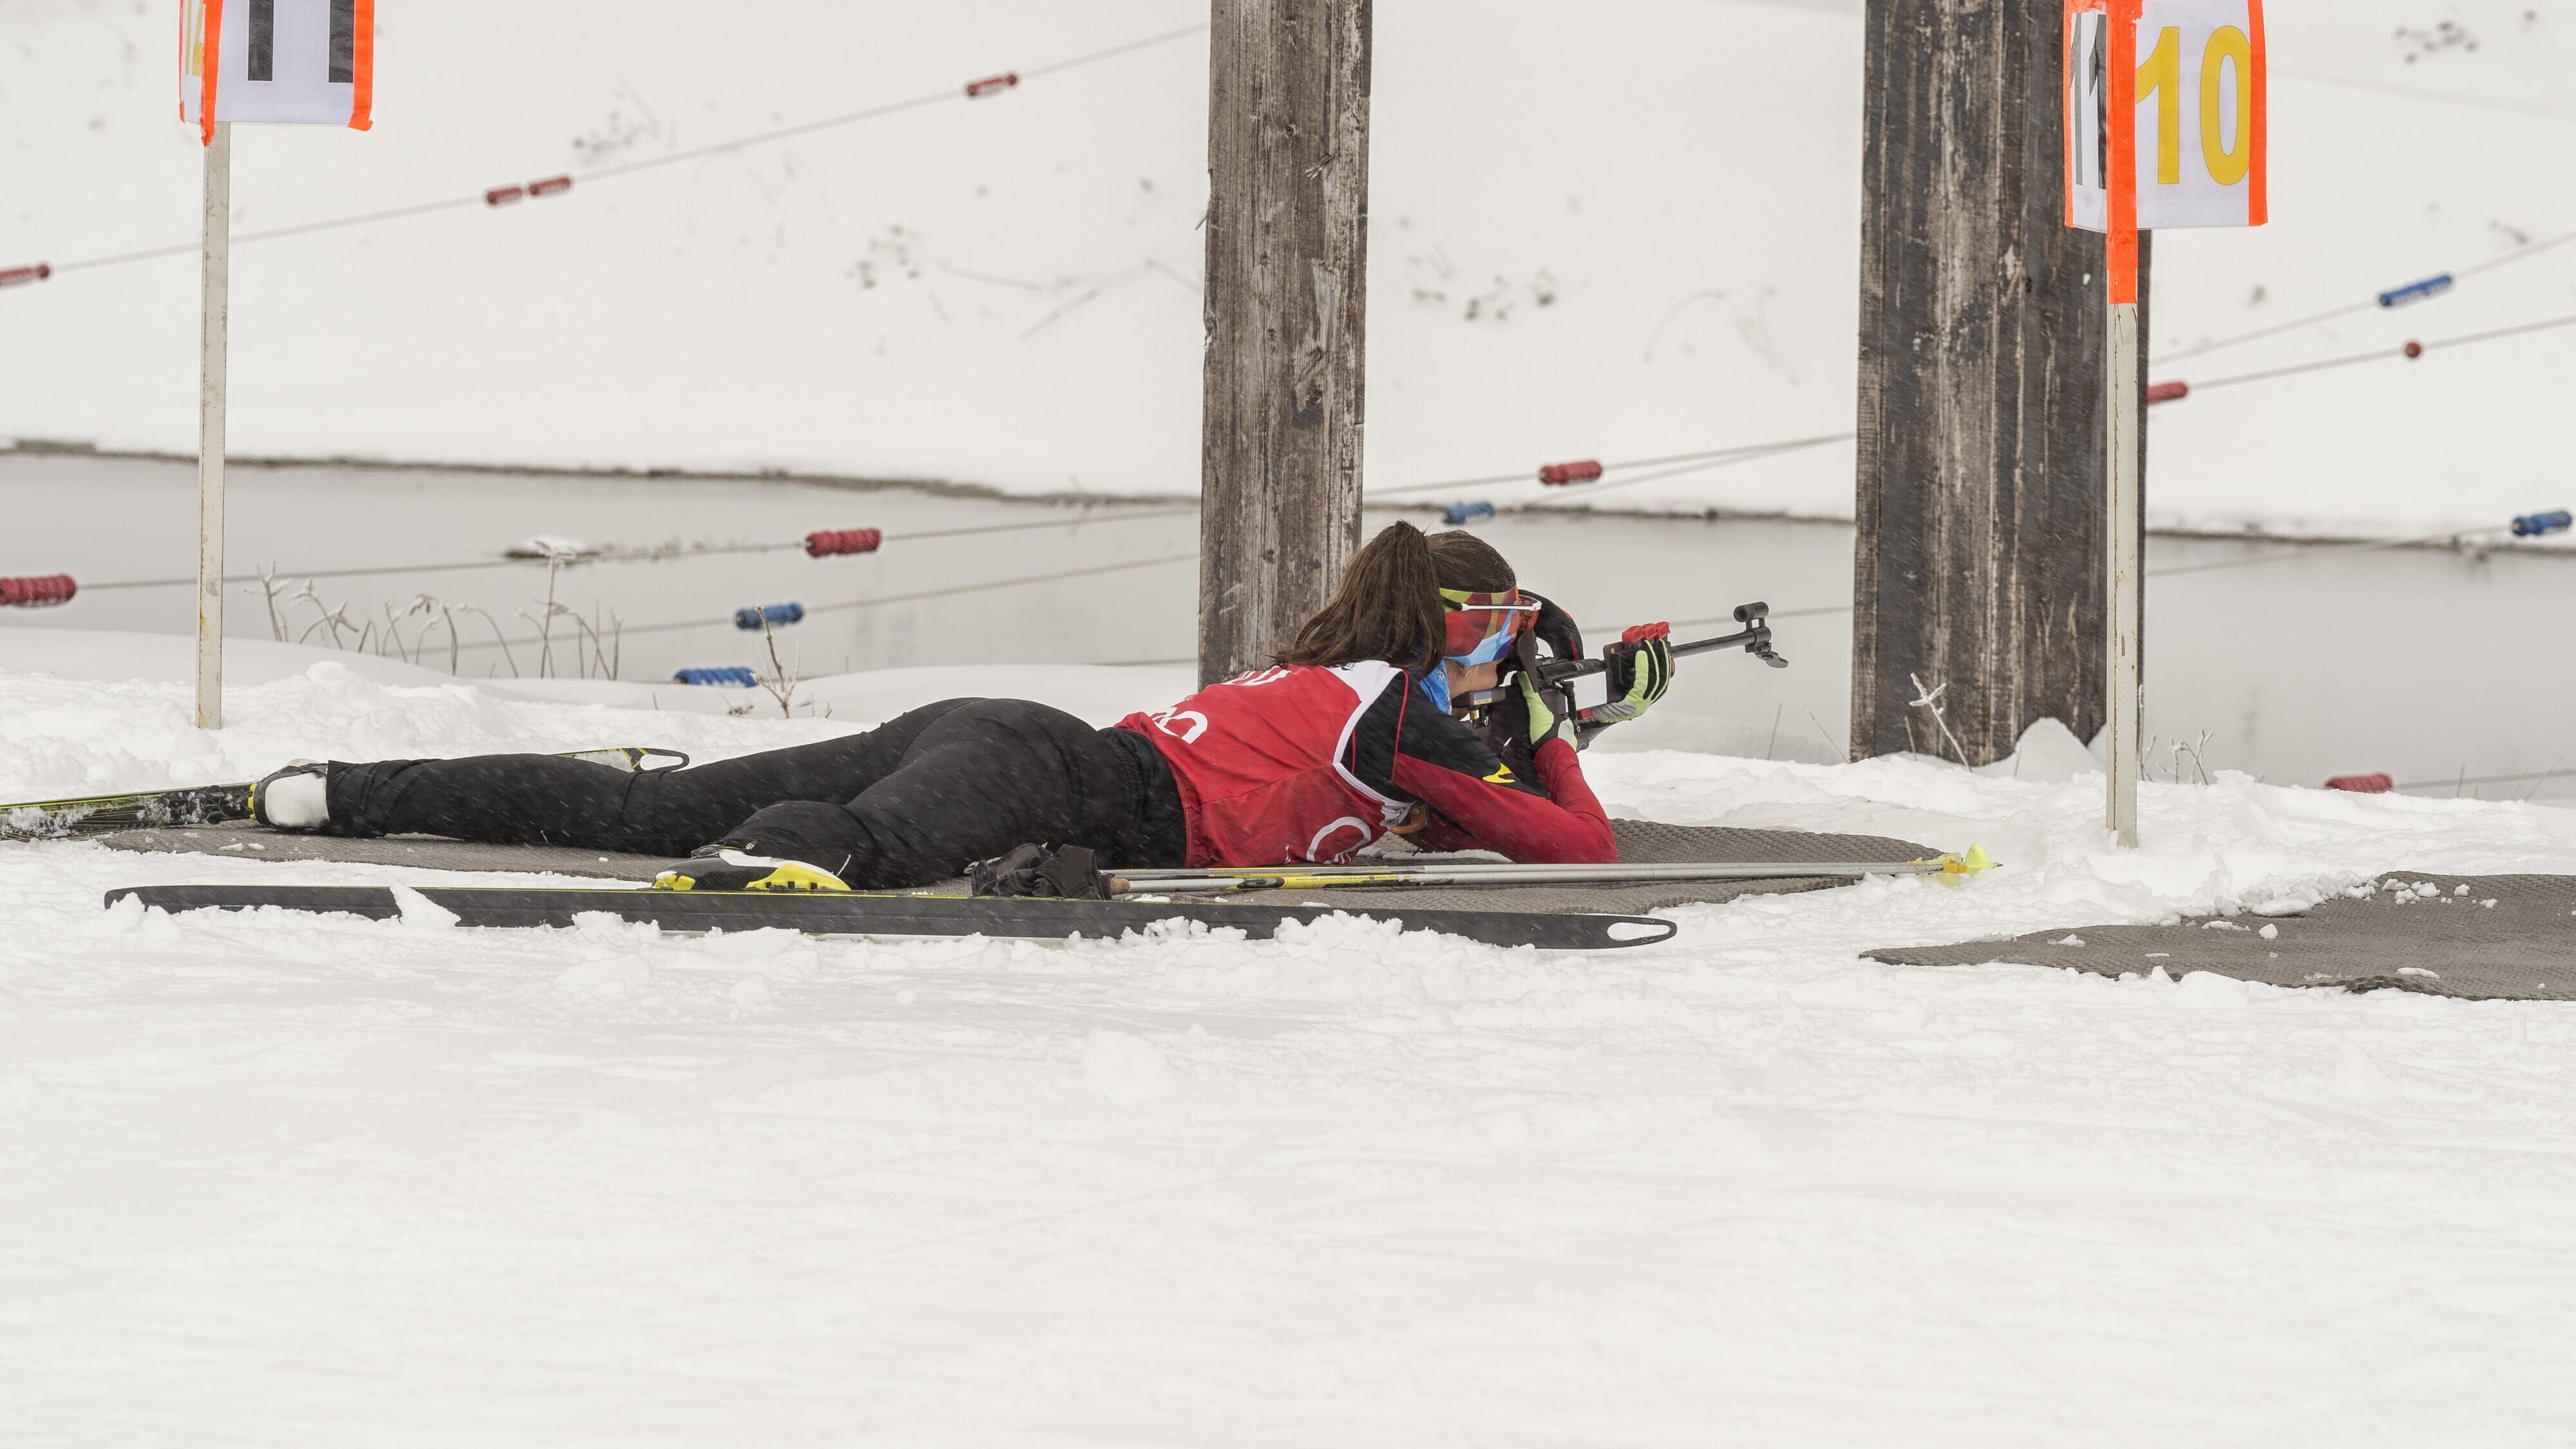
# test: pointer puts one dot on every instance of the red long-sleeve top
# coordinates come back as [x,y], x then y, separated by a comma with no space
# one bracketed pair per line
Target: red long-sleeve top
[1307,763]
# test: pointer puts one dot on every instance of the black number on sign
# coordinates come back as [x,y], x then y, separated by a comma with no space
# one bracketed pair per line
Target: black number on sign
[344,40]
[2100,64]
[263,40]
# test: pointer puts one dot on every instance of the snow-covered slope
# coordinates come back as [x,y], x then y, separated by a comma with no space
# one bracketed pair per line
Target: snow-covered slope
[1618,230]
[322,1181]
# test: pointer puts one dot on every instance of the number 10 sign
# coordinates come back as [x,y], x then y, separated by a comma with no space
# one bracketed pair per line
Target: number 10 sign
[2193,126]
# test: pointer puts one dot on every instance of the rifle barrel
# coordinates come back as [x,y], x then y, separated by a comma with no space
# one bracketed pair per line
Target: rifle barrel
[1557,671]
[1755,636]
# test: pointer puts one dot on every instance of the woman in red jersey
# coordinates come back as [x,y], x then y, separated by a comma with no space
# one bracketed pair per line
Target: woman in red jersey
[1346,738]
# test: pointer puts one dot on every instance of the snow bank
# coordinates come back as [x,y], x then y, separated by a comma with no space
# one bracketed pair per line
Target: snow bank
[400,1183]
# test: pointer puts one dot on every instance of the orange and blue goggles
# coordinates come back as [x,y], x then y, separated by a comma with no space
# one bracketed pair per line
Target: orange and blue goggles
[1481,626]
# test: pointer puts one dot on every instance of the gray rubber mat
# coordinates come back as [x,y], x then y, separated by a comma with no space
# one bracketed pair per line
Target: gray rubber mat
[1640,842]
[2494,936]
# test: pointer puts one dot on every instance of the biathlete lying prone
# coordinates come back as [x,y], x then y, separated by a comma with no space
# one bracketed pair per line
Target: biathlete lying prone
[1348,737]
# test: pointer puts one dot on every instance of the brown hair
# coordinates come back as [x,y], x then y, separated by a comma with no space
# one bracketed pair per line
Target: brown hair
[1388,605]
[1469,564]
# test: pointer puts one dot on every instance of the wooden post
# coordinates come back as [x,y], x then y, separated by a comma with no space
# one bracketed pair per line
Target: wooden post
[1287,249]
[1979,560]
[213,321]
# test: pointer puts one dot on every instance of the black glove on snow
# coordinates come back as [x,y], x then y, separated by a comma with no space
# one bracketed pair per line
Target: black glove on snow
[1065,872]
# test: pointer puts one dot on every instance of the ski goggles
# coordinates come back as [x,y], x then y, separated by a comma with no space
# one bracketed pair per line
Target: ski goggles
[1481,626]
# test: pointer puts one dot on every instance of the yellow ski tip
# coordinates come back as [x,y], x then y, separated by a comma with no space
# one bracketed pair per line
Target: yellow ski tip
[1957,866]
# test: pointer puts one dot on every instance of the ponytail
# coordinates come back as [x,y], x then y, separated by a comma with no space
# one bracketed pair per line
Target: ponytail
[1388,605]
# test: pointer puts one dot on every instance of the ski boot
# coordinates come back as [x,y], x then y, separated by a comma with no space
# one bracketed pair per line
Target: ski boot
[719,869]
[296,798]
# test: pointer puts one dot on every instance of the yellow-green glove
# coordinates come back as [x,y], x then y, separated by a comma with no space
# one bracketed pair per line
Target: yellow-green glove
[1544,723]
[1645,658]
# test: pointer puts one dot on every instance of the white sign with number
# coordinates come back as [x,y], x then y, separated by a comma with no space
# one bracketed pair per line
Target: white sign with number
[2199,116]
[305,62]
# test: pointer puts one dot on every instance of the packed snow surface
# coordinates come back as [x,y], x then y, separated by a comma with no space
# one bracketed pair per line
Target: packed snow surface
[1615,231]
[297,1180]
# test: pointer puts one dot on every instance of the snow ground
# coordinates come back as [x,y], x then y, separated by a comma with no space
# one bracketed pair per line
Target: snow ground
[323,1181]
[1619,230]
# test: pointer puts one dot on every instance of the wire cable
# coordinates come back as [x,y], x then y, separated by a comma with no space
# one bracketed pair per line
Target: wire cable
[638,555]
[649,163]
[621,631]
[1703,461]
[1531,475]
[2385,353]
[2307,551]
[1567,502]
[2331,549]
[2458,781]
[1717,458]
[2521,253]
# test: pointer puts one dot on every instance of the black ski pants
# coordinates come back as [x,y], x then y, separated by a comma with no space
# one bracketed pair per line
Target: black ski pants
[911,801]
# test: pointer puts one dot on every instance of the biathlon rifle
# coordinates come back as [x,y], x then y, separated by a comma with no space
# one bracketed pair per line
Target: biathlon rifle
[1754,638]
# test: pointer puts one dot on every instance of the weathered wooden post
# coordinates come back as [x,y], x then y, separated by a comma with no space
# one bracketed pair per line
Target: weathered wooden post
[1978,566]
[1287,251]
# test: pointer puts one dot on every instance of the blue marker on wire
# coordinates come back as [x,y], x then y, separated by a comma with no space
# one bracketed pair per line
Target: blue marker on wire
[788,613]
[2416,291]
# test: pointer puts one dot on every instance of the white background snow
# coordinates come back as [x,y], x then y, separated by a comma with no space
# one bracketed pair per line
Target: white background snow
[316,1181]
[1616,231]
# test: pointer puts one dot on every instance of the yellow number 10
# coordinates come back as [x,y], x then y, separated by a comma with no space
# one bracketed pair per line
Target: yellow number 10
[2228,161]
[2160,76]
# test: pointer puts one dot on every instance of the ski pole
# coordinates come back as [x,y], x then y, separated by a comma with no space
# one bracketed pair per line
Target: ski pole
[1319,877]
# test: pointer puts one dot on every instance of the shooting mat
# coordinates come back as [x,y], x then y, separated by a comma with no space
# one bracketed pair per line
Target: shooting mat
[2445,943]
[1640,843]
[2494,936]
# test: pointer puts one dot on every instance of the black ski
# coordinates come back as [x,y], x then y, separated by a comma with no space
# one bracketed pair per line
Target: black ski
[106,814]
[830,913]
[217,804]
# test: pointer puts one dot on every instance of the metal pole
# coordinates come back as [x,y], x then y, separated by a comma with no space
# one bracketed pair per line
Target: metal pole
[1306,877]
[2121,764]
[210,427]
[2120,375]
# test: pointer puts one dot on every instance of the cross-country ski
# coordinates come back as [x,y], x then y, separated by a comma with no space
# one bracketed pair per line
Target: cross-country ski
[900,916]
[217,804]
